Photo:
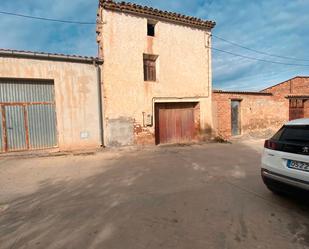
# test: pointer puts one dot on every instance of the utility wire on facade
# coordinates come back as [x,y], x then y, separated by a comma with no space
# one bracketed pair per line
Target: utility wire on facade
[257,59]
[257,51]
[46,19]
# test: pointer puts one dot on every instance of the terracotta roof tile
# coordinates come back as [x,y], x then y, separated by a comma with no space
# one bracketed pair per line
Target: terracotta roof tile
[298,96]
[241,92]
[156,13]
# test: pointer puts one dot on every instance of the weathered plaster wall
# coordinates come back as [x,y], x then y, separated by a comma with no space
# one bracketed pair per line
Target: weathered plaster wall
[76,97]
[183,71]
[257,113]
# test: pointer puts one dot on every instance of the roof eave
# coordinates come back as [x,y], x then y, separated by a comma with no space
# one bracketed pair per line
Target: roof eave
[297,97]
[242,92]
[207,25]
[48,56]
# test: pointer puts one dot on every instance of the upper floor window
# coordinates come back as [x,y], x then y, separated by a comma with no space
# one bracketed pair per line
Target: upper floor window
[150,72]
[151,28]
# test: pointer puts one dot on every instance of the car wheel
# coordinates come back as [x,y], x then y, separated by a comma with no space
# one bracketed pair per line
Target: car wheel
[275,190]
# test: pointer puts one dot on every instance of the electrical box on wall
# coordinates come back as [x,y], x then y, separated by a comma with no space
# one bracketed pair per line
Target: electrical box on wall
[149,120]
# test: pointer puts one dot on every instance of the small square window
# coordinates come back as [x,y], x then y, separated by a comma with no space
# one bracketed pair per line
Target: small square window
[151,27]
[150,73]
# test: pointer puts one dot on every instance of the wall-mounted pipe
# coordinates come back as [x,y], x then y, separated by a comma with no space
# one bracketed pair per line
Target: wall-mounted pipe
[101,105]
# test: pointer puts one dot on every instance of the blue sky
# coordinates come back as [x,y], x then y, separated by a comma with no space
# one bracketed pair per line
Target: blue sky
[274,26]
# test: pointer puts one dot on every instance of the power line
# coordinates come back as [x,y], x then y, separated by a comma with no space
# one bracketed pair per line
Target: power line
[257,59]
[46,19]
[264,75]
[257,51]
[230,42]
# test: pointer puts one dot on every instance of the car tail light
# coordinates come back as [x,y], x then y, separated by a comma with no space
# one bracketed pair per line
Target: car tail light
[271,145]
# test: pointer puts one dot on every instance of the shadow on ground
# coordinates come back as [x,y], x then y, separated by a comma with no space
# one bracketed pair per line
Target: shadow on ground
[199,196]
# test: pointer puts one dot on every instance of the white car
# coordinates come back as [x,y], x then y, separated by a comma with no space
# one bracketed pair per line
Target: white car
[285,160]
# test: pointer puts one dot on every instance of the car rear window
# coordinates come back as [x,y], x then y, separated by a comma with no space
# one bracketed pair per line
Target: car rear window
[297,133]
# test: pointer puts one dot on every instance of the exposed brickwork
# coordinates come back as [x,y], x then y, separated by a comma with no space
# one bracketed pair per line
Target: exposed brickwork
[145,138]
[297,85]
[293,87]
[259,111]
[142,135]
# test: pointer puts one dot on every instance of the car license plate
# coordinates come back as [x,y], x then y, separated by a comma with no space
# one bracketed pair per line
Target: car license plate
[298,165]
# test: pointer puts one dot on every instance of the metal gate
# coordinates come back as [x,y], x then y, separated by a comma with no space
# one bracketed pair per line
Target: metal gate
[27,115]
[235,117]
[175,122]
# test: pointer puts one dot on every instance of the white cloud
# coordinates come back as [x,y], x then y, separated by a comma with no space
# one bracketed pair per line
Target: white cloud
[27,34]
[266,25]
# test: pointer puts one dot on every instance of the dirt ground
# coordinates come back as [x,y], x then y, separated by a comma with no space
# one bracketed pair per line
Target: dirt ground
[198,196]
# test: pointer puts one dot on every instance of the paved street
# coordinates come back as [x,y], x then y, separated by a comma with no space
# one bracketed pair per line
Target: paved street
[193,197]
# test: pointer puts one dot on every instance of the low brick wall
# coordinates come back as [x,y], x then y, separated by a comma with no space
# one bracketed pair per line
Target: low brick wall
[258,112]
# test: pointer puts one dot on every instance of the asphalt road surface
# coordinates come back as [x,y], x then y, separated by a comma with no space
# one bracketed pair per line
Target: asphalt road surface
[193,197]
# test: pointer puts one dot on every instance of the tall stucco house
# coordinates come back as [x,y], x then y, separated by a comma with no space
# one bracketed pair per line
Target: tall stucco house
[156,76]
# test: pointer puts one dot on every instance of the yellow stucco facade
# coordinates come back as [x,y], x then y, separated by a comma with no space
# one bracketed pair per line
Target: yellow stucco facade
[183,74]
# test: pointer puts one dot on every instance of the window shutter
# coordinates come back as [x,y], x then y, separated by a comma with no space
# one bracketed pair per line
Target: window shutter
[150,67]
[145,71]
[149,70]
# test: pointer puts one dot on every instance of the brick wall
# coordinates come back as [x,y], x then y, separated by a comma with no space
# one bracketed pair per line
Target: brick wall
[268,109]
[257,112]
[297,85]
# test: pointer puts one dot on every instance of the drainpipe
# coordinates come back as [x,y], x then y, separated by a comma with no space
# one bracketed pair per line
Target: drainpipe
[100,102]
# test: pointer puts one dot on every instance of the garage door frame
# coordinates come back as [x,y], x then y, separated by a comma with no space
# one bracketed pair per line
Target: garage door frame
[26,106]
[173,105]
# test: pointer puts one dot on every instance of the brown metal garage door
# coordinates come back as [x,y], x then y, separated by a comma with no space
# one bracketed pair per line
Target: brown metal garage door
[175,122]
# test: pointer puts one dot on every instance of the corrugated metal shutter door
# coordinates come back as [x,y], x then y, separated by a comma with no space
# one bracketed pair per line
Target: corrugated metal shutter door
[15,128]
[1,133]
[42,134]
[28,117]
